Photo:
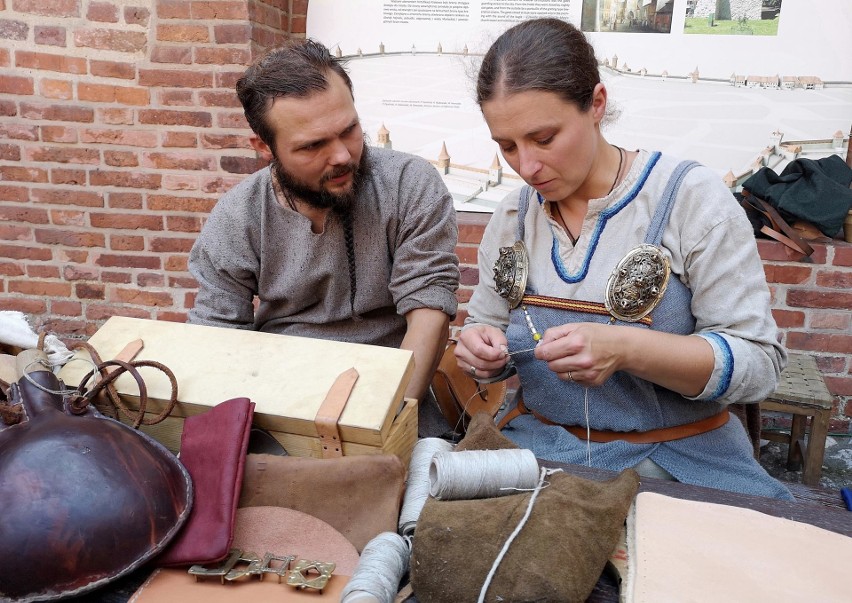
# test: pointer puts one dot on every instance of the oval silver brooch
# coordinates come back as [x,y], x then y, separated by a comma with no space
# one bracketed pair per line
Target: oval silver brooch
[637,283]
[510,273]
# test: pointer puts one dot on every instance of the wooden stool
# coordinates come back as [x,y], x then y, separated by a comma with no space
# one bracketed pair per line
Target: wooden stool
[802,392]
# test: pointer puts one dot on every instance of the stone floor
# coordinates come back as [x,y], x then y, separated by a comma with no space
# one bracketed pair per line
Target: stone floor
[836,469]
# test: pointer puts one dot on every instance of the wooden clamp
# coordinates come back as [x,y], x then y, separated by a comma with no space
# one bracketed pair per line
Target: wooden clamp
[329,413]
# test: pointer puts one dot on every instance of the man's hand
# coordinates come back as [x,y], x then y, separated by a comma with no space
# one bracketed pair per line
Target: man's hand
[426,336]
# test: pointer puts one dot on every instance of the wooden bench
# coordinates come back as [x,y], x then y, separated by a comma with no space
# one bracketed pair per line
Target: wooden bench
[802,392]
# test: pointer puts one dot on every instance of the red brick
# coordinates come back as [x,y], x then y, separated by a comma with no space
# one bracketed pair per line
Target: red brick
[787,319]
[128,261]
[471,233]
[79,273]
[136,15]
[819,342]
[68,218]
[98,93]
[228,79]
[180,182]
[125,137]
[808,298]
[10,152]
[172,316]
[182,282]
[49,35]
[298,25]
[835,279]
[105,12]
[110,39]
[90,291]
[173,9]
[842,254]
[219,184]
[18,131]
[225,141]
[40,288]
[468,276]
[115,117]
[22,174]
[463,295]
[80,256]
[219,10]
[66,176]
[194,34]
[837,321]
[173,97]
[178,161]
[116,277]
[831,364]
[14,193]
[787,273]
[232,119]
[42,271]
[176,263]
[125,201]
[63,155]
[232,33]
[102,312]
[54,8]
[55,196]
[148,279]
[69,238]
[125,179]
[31,215]
[127,95]
[184,223]
[50,62]
[15,233]
[171,244]
[467,255]
[57,112]
[160,203]
[66,308]
[5,58]
[218,99]
[58,134]
[222,56]
[180,139]
[33,307]
[121,158]
[11,269]
[166,117]
[179,55]
[126,243]
[59,89]
[124,71]
[7,108]
[839,386]
[13,30]
[11,84]
[242,165]
[144,221]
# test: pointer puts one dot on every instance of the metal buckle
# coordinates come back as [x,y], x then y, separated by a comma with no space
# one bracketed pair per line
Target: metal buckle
[230,571]
[300,575]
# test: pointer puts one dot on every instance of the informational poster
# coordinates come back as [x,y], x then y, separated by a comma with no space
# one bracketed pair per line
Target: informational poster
[676,72]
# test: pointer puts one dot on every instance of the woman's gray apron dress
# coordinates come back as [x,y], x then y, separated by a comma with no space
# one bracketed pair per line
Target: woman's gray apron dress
[721,458]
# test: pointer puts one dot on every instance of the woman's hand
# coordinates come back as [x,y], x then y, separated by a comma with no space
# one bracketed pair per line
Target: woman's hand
[589,353]
[482,351]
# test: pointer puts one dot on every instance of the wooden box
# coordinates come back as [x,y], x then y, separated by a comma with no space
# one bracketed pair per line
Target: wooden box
[286,377]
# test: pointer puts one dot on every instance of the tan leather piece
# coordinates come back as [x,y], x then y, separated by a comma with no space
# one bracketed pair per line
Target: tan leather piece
[329,413]
[360,496]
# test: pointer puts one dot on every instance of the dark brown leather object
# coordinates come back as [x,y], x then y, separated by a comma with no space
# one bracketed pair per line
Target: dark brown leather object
[359,496]
[213,449]
[558,555]
[85,499]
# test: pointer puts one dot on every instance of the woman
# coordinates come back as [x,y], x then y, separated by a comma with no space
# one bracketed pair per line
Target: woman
[620,366]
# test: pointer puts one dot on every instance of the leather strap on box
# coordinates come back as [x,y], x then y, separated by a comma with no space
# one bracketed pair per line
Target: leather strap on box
[329,413]
[652,436]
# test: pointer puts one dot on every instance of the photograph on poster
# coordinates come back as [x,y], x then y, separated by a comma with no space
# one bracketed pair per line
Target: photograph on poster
[627,16]
[721,100]
[732,17]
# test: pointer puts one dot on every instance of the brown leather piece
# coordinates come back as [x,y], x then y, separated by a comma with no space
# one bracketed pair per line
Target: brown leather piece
[652,436]
[360,496]
[558,555]
[329,413]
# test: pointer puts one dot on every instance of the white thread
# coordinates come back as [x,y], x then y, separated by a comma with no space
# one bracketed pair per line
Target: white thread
[383,563]
[588,429]
[481,473]
[544,473]
[417,485]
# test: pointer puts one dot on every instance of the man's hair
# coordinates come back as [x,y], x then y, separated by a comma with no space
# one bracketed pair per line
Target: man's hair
[298,69]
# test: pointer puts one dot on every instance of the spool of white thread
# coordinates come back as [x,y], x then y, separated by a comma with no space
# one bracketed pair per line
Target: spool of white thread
[417,485]
[482,473]
[376,578]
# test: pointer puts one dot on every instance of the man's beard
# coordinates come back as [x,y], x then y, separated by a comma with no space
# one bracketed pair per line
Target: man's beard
[292,186]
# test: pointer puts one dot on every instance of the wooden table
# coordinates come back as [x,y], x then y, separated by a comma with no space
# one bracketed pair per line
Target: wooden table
[816,506]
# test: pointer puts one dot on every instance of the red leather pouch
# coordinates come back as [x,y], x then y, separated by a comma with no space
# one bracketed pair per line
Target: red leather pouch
[213,450]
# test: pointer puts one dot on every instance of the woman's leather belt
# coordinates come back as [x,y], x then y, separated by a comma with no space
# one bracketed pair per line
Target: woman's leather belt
[653,436]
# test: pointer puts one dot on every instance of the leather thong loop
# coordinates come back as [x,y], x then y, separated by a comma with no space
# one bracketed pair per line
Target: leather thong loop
[329,413]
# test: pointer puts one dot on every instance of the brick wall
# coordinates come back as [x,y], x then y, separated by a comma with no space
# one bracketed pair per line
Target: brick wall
[119,130]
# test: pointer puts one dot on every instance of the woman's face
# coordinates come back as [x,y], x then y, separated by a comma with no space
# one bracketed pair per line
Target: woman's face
[549,142]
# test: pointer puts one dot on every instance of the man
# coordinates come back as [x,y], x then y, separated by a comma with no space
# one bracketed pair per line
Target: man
[334,240]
